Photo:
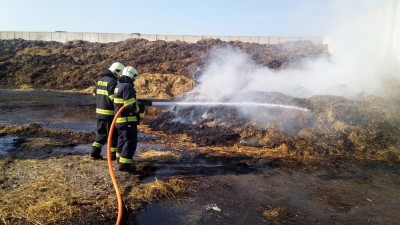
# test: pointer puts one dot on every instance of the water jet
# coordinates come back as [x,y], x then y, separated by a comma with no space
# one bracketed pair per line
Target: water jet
[230,104]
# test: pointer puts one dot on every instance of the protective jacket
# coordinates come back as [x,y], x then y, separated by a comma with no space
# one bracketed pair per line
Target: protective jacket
[126,123]
[125,95]
[104,92]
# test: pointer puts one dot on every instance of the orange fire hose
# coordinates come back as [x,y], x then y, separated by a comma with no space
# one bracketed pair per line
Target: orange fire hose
[110,168]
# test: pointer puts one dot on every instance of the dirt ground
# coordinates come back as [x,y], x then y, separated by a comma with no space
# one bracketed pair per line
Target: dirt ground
[336,164]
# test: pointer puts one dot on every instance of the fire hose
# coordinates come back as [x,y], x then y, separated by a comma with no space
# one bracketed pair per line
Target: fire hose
[110,168]
[143,102]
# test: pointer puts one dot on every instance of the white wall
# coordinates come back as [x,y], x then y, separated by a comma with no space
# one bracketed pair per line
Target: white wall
[61,36]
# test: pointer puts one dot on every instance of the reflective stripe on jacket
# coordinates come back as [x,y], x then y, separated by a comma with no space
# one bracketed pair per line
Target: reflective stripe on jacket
[125,95]
[104,93]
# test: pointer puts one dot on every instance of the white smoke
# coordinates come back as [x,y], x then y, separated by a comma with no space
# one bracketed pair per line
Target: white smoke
[365,56]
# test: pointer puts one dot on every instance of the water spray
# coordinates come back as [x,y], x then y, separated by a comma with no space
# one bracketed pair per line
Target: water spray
[231,104]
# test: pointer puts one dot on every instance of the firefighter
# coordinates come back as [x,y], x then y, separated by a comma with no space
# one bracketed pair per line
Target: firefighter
[104,92]
[126,123]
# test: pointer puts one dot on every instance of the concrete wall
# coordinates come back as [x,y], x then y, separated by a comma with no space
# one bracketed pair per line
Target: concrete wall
[61,36]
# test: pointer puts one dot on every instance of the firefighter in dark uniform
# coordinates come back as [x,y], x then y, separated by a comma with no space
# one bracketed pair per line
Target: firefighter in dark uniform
[104,93]
[126,123]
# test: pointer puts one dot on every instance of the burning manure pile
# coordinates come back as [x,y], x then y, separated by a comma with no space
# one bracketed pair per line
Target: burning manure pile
[331,126]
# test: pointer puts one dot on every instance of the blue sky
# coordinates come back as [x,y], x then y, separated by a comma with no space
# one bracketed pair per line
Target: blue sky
[201,17]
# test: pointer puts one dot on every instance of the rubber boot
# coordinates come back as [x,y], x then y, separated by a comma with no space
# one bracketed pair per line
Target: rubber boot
[95,154]
[113,156]
[126,167]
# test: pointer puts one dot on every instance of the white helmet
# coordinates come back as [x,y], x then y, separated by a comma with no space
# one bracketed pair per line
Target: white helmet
[116,68]
[130,72]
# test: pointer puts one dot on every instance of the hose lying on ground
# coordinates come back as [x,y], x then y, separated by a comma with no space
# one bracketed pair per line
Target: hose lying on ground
[110,168]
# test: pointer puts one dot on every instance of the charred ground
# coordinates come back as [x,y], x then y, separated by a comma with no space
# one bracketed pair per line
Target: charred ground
[333,126]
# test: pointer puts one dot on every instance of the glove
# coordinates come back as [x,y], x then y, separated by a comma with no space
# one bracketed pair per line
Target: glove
[144,102]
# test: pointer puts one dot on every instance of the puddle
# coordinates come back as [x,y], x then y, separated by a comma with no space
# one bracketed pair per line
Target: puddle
[76,150]
[162,172]
[7,143]
[84,149]
[146,146]
[81,118]
[57,117]
[56,110]
[87,148]
[157,214]
[51,109]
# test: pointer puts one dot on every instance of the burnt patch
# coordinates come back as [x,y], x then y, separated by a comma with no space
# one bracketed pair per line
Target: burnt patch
[216,136]
[36,141]
[202,135]
[333,126]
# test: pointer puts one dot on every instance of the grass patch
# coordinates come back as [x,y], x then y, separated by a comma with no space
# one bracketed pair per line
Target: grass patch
[153,191]
[38,202]
[273,213]
[25,87]
[53,191]
[160,156]
[70,190]
[278,215]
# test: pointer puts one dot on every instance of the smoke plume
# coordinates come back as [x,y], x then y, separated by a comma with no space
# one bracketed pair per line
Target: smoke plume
[365,57]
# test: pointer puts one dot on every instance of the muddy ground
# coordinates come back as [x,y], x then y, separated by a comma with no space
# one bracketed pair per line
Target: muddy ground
[338,163]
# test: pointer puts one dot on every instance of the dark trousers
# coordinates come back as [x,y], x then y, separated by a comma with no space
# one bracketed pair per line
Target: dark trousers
[127,141]
[103,129]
